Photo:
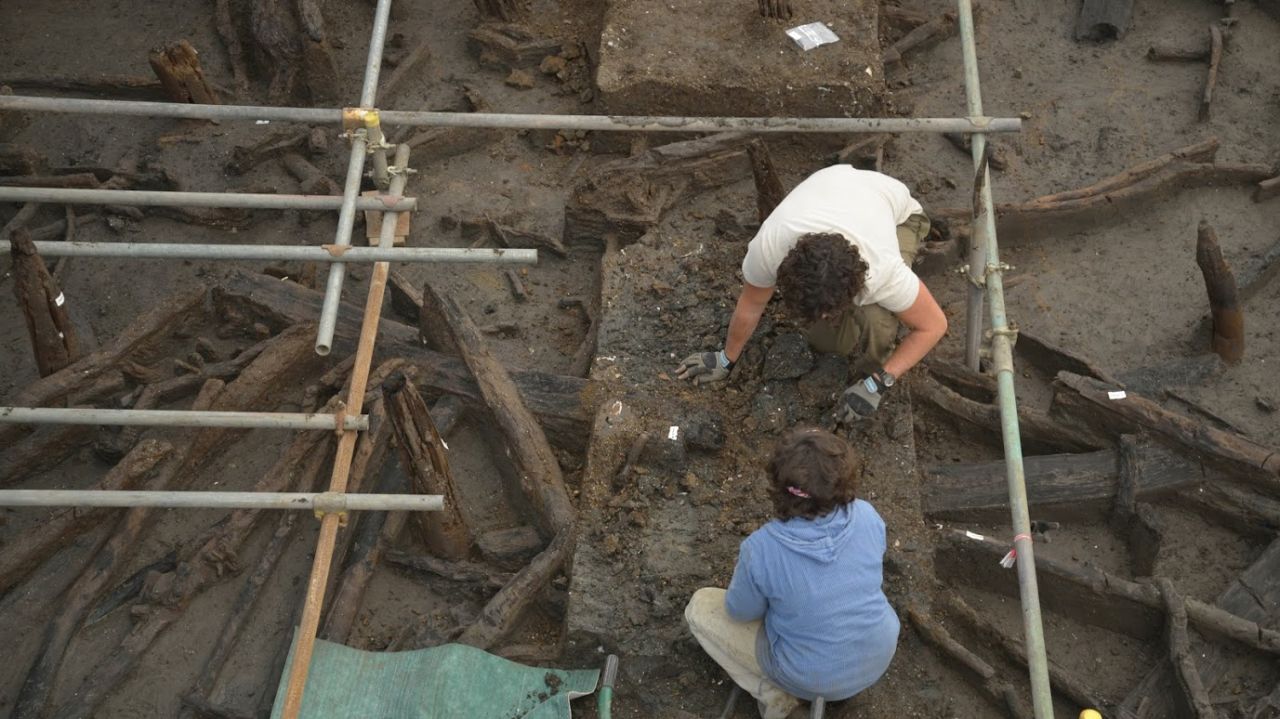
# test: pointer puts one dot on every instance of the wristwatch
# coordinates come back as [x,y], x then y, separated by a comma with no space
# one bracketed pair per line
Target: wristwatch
[884,379]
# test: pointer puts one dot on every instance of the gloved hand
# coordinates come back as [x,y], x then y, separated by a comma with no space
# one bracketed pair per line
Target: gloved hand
[862,398]
[775,8]
[705,367]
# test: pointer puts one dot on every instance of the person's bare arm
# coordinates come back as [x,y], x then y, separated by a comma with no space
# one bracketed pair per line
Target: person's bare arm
[927,324]
[746,315]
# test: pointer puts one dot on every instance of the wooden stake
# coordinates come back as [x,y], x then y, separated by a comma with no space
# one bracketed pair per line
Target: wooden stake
[53,338]
[1000,692]
[1224,299]
[769,190]
[177,65]
[1211,79]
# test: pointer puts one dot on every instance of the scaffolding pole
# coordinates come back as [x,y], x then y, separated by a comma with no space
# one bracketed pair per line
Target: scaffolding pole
[320,567]
[180,418]
[515,121]
[235,200]
[320,502]
[985,270]
[283,253]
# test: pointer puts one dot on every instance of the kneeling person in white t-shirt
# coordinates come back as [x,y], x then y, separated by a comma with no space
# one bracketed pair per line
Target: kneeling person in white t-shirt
[839,247]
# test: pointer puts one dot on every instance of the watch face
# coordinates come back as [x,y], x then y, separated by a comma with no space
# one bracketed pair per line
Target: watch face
[887,379]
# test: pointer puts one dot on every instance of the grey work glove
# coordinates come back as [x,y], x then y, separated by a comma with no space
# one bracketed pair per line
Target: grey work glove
[705,367]
[860,400]
[775,8]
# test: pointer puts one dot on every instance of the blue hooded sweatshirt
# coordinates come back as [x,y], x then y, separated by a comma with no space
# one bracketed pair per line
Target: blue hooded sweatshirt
[829,631]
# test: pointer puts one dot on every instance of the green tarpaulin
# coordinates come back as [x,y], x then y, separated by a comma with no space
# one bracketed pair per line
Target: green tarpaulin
[449,682]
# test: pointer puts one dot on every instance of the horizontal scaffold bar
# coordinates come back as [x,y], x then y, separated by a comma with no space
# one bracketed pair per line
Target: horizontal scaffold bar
[322,502]
[284,253]
[627,123]
[235,200]
[179,418]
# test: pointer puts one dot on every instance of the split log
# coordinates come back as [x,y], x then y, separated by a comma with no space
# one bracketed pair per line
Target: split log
[168,596]
[156,324]
[1136,522]
[997,690]
[26,552]
[311,180]
[177,66]
[1241,511]
[928,33]
[769,190]
[627,197]
[1224,300]
[41,451]
[21,160]
[536,467]
[1060,487]
[1062,680]
[124,85]
[509,45]
[1104,19]
[1039,431]
[241,610]
[1101,599]
[500,614]
[463,572]
[376,533]
[44,306]
[1052,359]
[1086,402]
[506,236]
[1211,79]
[1252,597]
[969,384]
[423,458]
[261,377]
[230,36]
[1191,699]
[563,405]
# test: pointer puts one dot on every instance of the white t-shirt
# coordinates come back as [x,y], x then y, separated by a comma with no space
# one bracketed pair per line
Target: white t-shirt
[866,207]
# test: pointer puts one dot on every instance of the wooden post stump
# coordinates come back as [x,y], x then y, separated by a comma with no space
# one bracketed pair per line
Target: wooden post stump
[1224,297]
[177,65]
[53,339]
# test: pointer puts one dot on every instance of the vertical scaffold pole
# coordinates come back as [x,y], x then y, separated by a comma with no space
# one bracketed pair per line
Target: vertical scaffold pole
[985,268]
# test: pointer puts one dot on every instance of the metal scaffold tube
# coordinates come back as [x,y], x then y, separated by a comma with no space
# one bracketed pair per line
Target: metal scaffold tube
[516,121]
[284,253]
[180,418]
[984,263]
[159,198]
[326,502]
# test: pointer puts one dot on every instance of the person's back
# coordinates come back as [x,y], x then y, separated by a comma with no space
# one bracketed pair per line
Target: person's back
[829,630]
[804,615]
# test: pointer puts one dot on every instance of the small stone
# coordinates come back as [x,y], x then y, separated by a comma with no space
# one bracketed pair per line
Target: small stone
[704,430]
[611,544]
[1264,404]
[788,358]
[520,79]
[261,331]
[317,142]
[689,482]
[571,51]
[552,65]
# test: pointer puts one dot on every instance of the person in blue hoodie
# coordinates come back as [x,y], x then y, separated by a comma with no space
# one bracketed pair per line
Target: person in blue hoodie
[804,615]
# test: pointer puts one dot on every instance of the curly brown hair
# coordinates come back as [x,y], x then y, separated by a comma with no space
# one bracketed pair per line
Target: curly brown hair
[820,276]
[813,462]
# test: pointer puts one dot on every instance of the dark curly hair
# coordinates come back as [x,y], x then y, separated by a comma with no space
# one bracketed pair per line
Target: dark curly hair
[813,462]
[820,276]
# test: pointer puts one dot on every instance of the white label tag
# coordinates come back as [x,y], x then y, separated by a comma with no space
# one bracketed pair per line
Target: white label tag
[673,433]
[1116,395]
[60,300]
[972,535]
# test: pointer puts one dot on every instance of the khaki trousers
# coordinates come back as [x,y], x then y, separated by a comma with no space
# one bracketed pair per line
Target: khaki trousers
[733,645]
[868,333]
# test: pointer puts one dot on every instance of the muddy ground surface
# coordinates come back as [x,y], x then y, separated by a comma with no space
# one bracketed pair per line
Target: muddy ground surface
[1121,287]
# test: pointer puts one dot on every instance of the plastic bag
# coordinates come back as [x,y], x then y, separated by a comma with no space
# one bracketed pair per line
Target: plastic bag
[814,34]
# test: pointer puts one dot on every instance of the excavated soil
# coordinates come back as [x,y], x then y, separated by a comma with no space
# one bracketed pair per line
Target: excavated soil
[1121,288]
